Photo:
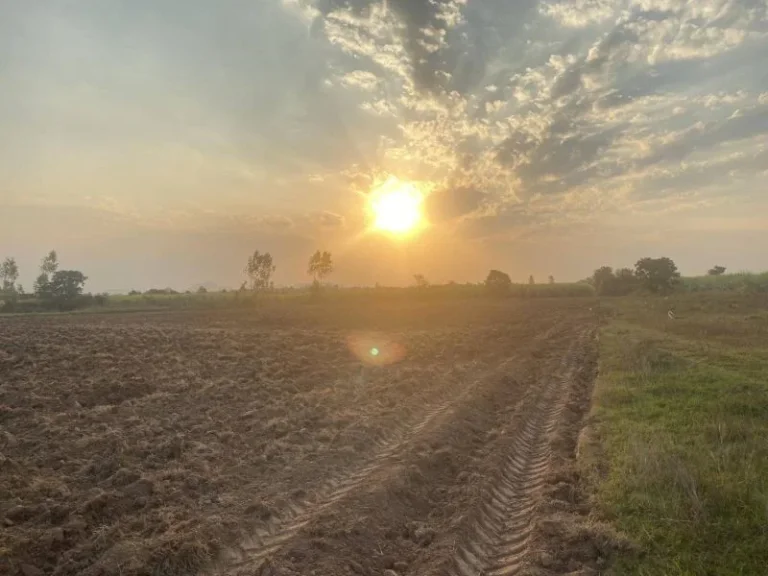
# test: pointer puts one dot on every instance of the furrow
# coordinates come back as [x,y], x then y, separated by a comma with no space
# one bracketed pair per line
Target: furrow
[251,555]
[498,543]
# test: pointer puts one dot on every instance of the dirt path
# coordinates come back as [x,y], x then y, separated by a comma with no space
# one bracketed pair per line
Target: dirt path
[455,493]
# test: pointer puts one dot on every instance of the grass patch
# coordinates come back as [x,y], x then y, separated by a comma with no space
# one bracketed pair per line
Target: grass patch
[742,282]
[682,414]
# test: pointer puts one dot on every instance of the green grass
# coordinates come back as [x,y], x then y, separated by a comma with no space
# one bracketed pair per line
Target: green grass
[741,282]
[681,410]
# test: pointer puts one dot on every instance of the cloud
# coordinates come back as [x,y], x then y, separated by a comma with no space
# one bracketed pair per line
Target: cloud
[582,116]
[327,219]
[360,79]
[276,116]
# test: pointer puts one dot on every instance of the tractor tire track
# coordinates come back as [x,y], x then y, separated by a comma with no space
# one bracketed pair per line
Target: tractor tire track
[498,541]
[266,541]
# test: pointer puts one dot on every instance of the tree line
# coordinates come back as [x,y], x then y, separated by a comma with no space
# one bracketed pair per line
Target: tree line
[53,288]
[655,275]
[63,289]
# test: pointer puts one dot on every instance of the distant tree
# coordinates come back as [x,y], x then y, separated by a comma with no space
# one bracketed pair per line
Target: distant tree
[259,270]
[20,289]
[202,290]
[48,267]
[602,276]
[40,286]
[610,283]
[161,292]
[320,265]
[624,282]
[134,293]
[421,281]
[551,279]
[531,281]
[498,282]
[50,263]
[716,271]
[657,274]
[64,287]
[9,273]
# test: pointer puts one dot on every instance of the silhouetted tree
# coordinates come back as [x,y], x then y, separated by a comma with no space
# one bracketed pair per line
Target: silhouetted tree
[600,277]
[9,273]
[202,290]
[320,265]
[498,282]
[716,271]
[610,283]
[64,288]
[421,281]
[531,281]
[551,279]
[259,270]
[657,274]
[50,263]
[48,266]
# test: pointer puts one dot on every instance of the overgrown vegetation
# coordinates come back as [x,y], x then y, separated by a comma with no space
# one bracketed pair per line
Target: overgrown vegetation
[681,409]
[660,276]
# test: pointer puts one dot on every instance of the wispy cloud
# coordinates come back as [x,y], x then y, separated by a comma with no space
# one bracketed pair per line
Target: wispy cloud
[603,101]
[276,117]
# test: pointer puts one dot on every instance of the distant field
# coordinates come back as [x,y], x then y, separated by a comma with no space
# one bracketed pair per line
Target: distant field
[681,412]
[437,292]
[744,282]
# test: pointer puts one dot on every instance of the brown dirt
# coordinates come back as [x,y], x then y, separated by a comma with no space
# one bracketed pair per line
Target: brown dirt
[259,442]
[567,538]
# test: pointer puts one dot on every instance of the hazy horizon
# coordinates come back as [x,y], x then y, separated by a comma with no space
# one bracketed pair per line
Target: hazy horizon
[157,145]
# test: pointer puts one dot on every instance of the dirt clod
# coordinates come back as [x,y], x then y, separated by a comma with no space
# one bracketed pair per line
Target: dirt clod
[30,570]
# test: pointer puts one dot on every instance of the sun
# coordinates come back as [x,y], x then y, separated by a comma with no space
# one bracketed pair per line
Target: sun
[397,207]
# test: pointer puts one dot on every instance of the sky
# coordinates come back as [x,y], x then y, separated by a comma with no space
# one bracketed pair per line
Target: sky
[158,143]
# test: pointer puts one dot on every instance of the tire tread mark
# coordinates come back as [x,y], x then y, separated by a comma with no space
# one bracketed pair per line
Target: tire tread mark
[498,541]
[252,553]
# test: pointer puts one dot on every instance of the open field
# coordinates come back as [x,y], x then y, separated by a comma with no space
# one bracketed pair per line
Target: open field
[679,460]
[276,440]
[358,436]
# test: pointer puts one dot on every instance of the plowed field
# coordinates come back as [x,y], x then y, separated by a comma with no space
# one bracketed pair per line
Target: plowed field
[325,439]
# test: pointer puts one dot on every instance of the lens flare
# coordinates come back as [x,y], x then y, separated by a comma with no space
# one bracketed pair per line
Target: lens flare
[374,349]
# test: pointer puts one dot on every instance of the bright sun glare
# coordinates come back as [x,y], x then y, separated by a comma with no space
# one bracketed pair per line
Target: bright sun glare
[396,207]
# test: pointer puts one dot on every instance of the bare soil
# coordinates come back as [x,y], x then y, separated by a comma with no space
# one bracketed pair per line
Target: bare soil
[414,438]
